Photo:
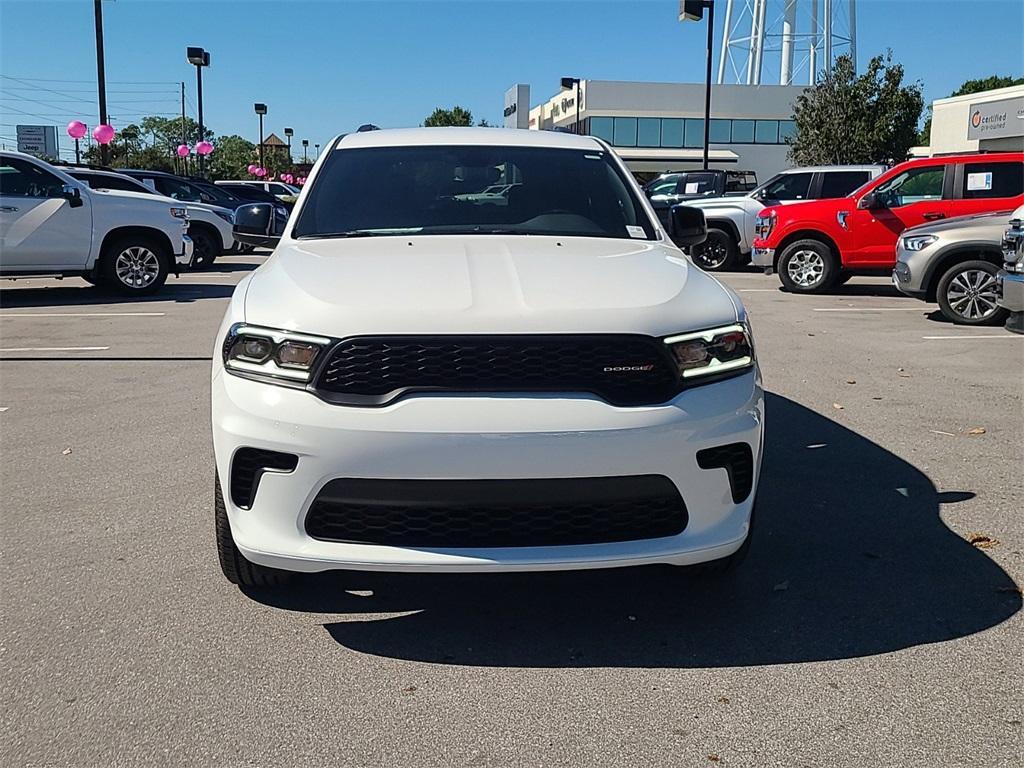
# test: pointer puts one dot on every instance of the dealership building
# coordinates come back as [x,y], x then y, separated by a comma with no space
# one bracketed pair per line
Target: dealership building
[657,127]
[990,121]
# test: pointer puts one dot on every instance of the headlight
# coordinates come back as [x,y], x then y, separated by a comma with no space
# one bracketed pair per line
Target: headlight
[918,242]
[280,357]
[765,224]
[179,213]
[712,352]
[227,216]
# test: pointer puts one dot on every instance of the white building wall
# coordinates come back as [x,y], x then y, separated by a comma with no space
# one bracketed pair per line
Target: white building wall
[951,118]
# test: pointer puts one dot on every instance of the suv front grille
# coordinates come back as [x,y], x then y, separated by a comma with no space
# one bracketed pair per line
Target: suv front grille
[497,513]
[621,369]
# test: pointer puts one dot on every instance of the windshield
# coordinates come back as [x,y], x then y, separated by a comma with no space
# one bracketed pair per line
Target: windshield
[448,190]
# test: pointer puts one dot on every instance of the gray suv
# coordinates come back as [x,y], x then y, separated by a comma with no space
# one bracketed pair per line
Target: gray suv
[1010,280]
[955,262]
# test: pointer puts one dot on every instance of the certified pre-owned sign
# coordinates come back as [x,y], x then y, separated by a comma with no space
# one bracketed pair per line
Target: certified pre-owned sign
[996,119]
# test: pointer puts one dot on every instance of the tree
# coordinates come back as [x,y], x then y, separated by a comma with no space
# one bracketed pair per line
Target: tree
[846,118]
[970,86]
[231,158]
[454,116]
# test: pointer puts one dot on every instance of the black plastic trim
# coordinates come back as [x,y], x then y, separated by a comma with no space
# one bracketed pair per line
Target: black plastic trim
[737,459]
[248,466]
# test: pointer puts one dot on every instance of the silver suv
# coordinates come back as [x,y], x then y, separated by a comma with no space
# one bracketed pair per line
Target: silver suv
[1010,280]
[954,262]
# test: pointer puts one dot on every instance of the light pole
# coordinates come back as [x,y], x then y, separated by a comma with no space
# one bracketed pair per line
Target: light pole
[261,110]
[317,147]
[288,132]
[305,147]
[101,77]
[568,83]
[693,10]
[200,58]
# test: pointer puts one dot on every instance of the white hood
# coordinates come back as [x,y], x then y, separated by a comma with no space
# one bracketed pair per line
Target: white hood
[484,284]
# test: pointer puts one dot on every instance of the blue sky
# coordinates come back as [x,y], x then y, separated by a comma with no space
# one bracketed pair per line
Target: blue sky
[325,67]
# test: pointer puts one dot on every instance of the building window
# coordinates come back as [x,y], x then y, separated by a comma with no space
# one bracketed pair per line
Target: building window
[721,131]
[694,136]
[767,132]
[787,130]
[648,132]
[742,131]
[671,132]
[624,132]
[601,127]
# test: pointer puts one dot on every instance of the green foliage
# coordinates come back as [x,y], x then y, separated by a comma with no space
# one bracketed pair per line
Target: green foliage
[970,86]
[230,158]
[454,116]
[850,118]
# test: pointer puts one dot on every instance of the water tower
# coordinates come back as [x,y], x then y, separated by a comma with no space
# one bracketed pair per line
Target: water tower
[796,38]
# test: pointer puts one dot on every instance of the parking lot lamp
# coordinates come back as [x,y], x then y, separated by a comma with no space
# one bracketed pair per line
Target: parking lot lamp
[693,10]
[261,110]
[199,58]
[317,147]
[288,133]
[305,148]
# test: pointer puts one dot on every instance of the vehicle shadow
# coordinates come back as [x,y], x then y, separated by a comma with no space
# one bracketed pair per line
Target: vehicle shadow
[78,293]
[850,558]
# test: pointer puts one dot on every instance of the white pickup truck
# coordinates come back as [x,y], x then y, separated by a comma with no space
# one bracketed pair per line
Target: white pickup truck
[731,219]
[54,225]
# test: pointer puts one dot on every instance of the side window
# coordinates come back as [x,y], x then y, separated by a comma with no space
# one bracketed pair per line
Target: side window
[789,186]
[113,182]
[985,180]
[20,178]
[841,183]
[665,186]
[177,190]
[913,186]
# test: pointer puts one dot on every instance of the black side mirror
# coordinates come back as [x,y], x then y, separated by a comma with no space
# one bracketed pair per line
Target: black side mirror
[870,200]
[686,226]
[255,225]
[72,194]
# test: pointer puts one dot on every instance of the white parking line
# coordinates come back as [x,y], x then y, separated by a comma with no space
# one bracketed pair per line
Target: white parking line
[53,349]
[872,309]
[4,408]
[979,336]
[759,290]
[82,314]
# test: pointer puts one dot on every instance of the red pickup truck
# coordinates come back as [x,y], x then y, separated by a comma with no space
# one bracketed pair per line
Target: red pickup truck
[815,245]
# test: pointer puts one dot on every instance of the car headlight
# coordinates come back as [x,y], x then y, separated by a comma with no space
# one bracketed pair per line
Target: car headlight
[280,357]
[227,216]
[179,213]
[728,349]
[918,242]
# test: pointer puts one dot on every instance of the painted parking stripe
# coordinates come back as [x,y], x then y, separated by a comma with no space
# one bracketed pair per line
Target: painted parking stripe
[873,309]
[759,290]
[53,349]
[979,336]
[82,314]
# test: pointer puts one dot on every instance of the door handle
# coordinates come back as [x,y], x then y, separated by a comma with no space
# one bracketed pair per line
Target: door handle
[8,209]
[933,216]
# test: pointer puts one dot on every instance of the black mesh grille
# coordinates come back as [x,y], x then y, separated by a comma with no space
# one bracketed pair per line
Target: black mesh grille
[497,513]
[736,459]
[624,370]
[248,467]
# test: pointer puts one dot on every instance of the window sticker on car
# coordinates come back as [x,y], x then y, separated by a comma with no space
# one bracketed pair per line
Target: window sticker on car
[637,232]
[977,181]
[692,187]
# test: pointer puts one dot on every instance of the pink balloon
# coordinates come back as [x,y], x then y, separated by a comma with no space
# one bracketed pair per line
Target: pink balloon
[204,147]
[182,150]
[252,168]
[77,129]
[261,172]
[104,134]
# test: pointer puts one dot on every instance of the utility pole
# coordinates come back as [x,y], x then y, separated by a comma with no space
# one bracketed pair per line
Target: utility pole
[101,77]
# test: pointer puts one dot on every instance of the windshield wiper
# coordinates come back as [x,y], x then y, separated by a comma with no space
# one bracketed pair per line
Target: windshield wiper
[347,233]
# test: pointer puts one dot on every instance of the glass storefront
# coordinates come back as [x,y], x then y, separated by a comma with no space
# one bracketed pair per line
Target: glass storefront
[676,132]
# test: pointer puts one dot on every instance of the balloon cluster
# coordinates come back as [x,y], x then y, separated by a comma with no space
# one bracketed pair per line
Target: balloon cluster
[104,134]
[202,148]
[256,171]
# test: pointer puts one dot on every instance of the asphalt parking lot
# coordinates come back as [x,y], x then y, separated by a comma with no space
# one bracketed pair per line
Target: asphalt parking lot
[865,629]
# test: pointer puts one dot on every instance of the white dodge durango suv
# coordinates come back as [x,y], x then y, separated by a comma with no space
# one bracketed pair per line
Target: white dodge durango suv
[422,379]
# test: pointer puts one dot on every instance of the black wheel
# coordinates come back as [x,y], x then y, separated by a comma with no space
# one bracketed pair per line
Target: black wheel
[134,265]
[808,266]
[717,253]
[967,294]
[206,247]
[235,567]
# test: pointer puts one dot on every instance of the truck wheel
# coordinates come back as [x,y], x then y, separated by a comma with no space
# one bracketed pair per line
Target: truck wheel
[233,564]
[134,265]
[808,266]
[967,294]
[207,247]
[716,254]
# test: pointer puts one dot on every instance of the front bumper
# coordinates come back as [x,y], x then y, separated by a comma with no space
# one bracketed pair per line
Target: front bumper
[184,258]
[763,257]
[1010,290]
[497,437]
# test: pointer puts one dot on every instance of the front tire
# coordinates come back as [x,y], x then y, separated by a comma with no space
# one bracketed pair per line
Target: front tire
[808,266]
[134,265]
[233,564]
[206,248]
[717,253]
[967,294]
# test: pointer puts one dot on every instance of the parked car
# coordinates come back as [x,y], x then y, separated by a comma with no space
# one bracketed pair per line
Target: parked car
[52,224]
[815,245]
[731,219]
[422,383]
[954,262]
[1010,279]
[674,188]
[277,188]
[209,225]
[252,194]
